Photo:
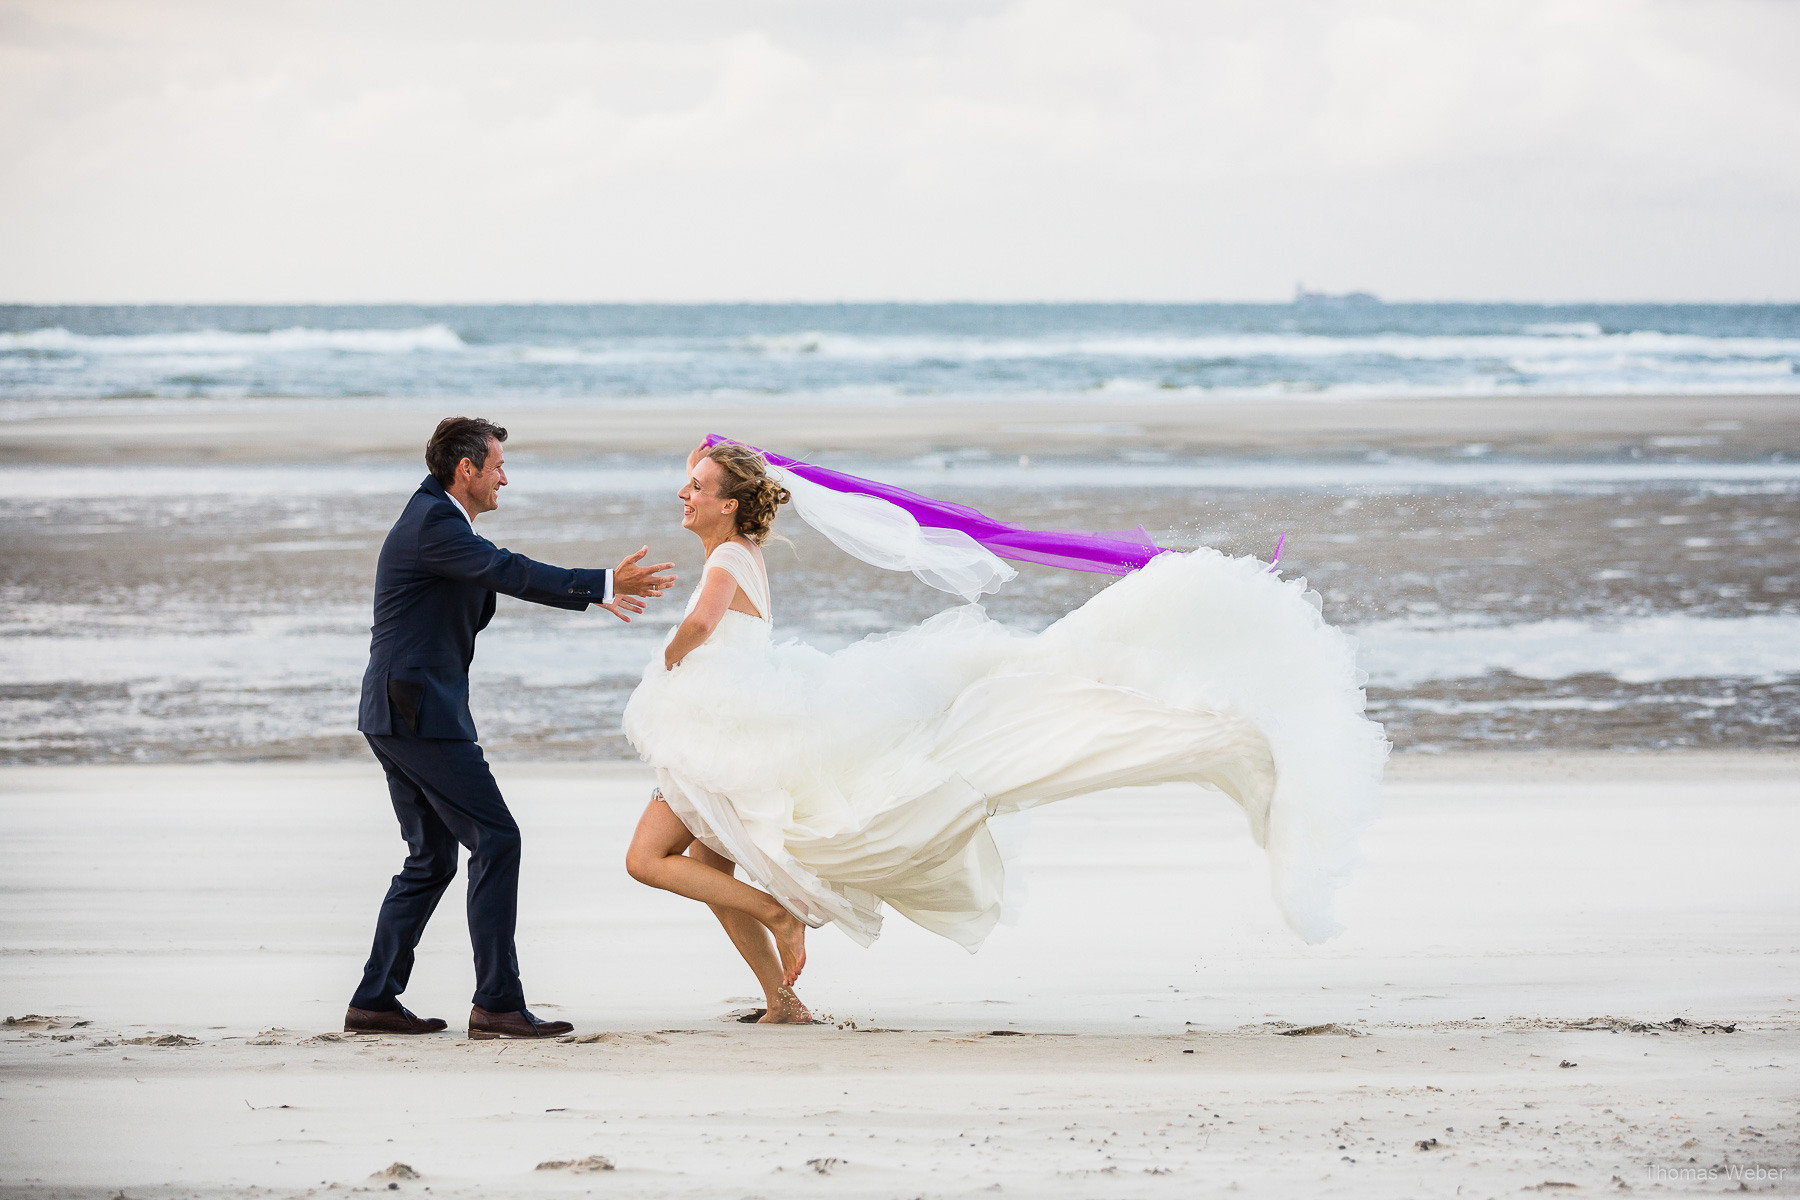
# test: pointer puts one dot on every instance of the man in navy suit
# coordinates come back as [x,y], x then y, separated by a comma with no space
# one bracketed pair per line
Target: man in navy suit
[435,586]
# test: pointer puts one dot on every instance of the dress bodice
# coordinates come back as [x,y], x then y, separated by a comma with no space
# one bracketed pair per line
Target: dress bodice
[745,566]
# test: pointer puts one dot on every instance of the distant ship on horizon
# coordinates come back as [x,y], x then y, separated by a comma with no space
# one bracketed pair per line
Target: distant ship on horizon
[1334,299]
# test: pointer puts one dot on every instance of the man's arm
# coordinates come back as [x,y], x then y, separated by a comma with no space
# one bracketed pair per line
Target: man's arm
[448,547]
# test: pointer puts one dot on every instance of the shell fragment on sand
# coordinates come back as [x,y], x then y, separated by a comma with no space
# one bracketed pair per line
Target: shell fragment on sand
[578,1166]
[154,1039]
[39,1021]
[1672,1025]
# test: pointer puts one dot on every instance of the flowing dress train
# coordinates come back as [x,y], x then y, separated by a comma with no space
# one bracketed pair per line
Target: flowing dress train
[844,782]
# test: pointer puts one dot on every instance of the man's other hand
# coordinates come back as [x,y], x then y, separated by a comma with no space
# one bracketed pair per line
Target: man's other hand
[624,608]
[630,579]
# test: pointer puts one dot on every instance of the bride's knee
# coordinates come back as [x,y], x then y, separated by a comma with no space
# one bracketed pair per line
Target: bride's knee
[641,864]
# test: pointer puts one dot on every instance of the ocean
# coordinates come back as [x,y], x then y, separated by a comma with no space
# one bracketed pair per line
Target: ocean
[859,353]
[1641,599]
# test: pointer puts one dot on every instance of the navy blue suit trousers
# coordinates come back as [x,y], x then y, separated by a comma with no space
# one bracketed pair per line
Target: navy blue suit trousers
[445,796]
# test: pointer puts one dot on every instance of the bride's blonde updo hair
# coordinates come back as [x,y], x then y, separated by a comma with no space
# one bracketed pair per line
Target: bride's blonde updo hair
[744,477]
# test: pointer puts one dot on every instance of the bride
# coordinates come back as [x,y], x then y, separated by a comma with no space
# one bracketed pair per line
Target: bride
[729,502]
[844,783]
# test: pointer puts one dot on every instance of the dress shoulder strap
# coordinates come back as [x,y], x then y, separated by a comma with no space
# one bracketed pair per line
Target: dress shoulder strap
[745,566]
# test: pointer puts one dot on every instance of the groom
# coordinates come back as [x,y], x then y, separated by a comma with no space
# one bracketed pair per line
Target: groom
[434,591]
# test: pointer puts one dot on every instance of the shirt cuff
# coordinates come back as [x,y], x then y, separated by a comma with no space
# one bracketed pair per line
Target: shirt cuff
[606,596]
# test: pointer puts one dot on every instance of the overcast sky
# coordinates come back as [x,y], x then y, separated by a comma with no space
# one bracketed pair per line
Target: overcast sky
[909,149]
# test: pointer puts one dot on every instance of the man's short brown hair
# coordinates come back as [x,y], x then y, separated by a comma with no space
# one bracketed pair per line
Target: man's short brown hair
[455,439]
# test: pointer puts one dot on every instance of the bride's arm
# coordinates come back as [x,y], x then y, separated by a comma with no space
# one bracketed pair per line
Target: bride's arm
[715,598]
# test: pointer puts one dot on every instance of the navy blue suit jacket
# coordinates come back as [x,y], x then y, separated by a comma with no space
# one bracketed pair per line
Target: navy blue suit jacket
[434,591]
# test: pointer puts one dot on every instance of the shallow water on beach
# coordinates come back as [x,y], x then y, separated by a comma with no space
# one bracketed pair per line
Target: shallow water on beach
[222,612]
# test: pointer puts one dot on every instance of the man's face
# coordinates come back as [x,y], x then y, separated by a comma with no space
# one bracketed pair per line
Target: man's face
[483,486]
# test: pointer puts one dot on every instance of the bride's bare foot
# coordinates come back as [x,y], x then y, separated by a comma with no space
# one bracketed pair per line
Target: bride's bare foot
[790,942]
[786,1010]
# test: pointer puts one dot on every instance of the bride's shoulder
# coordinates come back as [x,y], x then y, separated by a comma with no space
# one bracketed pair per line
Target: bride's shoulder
[735,548]
[740,560]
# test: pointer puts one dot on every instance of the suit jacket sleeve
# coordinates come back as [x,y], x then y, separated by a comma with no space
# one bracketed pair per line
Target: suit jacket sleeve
[448,547]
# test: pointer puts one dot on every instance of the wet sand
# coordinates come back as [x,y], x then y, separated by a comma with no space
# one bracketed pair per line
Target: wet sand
[1497,1016]
[208,611]
[120,577]
[1724,427]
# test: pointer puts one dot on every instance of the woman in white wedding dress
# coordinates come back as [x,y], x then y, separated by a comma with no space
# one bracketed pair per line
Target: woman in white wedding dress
[842,783]
[729,502]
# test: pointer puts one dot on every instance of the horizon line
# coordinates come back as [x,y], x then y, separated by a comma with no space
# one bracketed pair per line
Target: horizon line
[1344,300]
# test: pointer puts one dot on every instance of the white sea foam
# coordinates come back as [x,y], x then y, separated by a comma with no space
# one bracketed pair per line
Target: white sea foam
[1721,368]
[285,653]
[931,474]
[245,482]
[277,654]
[1574,357]
[570,356]
[1727,380]
[261,482]
[1565,329]
[1594,345]
[1393,474]
[216,341]
[1399,654]
[1440,706]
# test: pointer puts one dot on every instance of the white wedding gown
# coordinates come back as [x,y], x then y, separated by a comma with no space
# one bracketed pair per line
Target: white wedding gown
[843,782]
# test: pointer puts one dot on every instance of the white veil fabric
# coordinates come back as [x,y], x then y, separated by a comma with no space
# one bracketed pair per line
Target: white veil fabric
[887,536]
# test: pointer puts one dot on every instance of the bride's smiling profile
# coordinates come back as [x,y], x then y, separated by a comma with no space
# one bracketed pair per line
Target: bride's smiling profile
[842,784]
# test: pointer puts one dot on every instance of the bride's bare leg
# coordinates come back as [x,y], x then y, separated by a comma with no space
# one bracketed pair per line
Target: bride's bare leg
[656,858]
[747,933]
[751,937]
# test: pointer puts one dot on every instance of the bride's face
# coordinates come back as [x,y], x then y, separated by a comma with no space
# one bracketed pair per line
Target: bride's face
[702,510]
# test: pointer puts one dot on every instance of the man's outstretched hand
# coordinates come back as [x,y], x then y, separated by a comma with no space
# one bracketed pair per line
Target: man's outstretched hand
[630,579]
[632,584]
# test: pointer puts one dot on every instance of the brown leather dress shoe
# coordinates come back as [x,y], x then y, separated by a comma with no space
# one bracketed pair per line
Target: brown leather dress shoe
[361,1020]
[521,1024]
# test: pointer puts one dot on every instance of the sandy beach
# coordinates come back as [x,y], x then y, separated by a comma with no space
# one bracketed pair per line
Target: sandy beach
[1723,427]
[1501,1013]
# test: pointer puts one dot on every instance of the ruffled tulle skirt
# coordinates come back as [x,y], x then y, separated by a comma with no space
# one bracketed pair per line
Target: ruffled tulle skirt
[842,783]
